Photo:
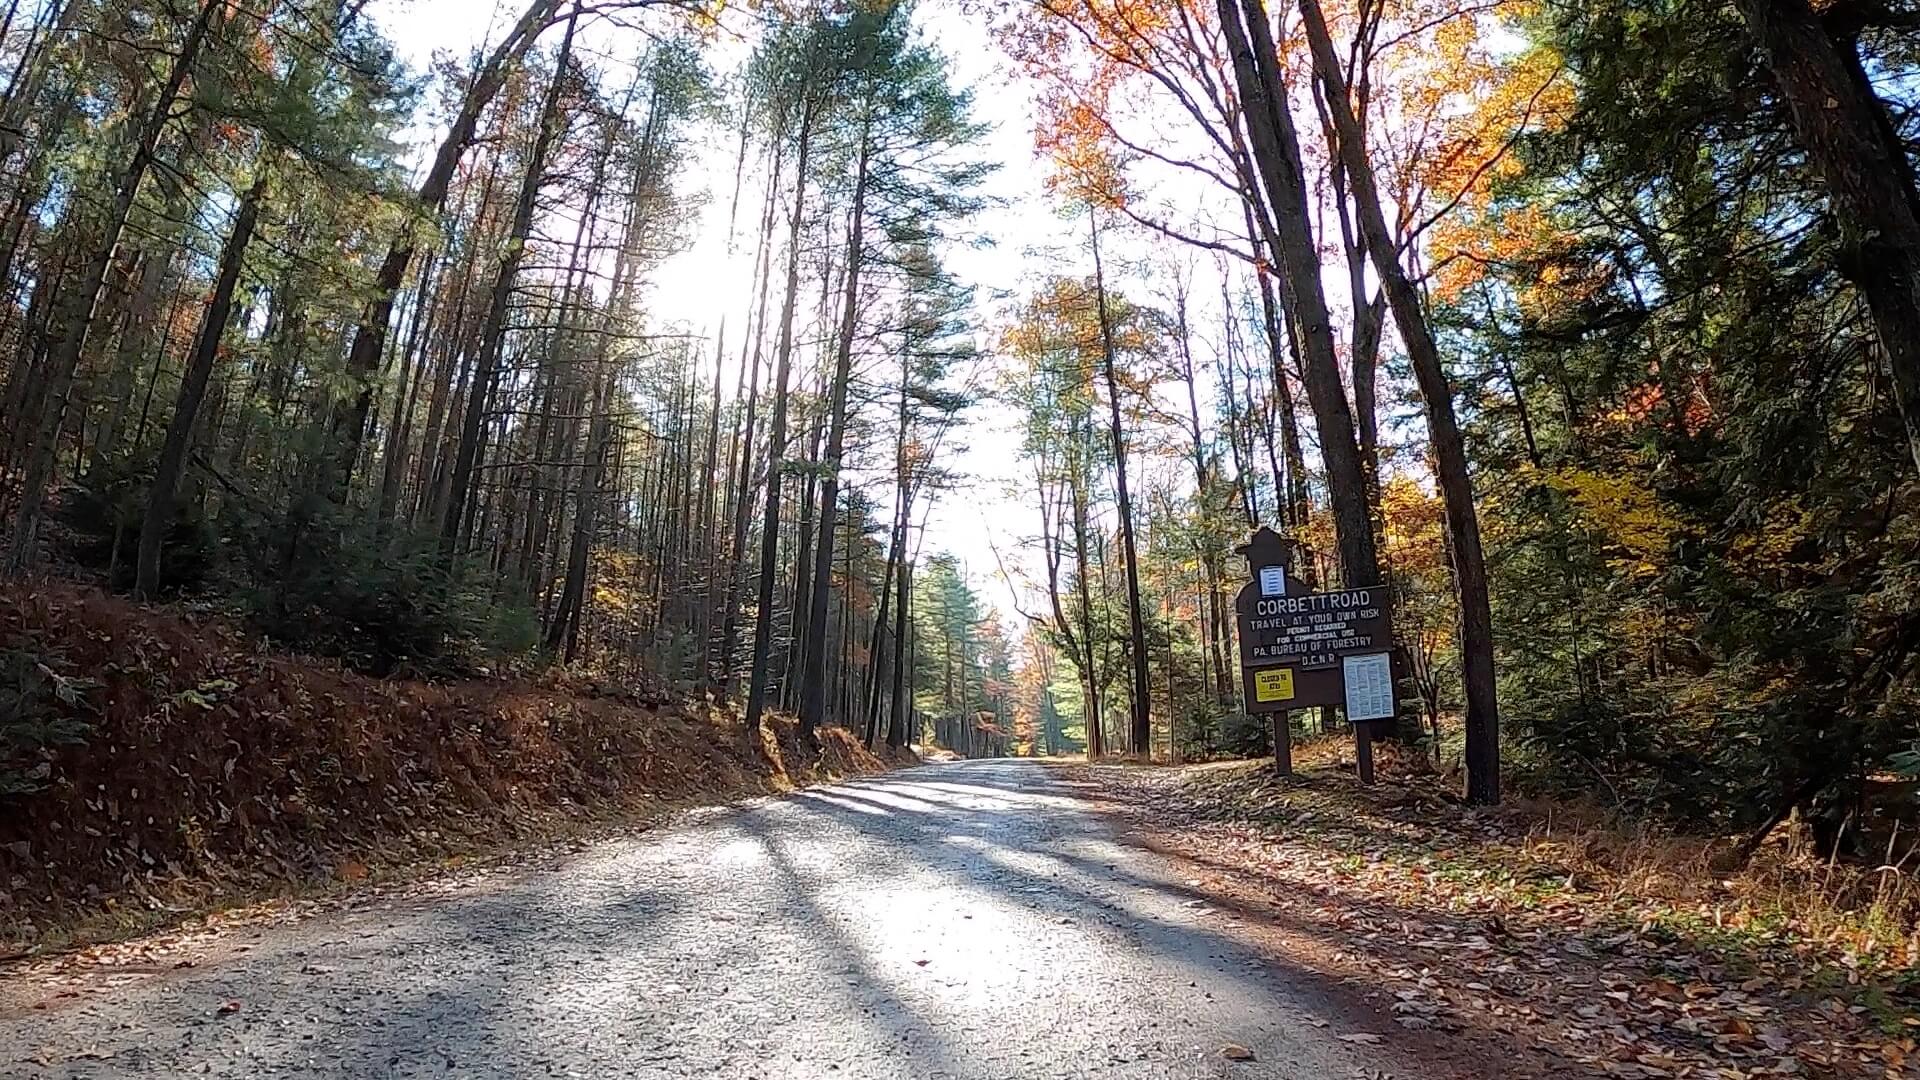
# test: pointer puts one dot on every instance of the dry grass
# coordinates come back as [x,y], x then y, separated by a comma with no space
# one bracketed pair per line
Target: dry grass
[1857,923]
[1866,916]
[1546,926]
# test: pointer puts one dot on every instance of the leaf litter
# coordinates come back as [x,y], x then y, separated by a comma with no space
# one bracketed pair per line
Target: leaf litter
[218,772]
[1426,904]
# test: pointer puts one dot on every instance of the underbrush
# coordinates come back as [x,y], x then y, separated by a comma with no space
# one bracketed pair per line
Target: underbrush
[378,596]
[391,605]
[1865,916]
[206,768]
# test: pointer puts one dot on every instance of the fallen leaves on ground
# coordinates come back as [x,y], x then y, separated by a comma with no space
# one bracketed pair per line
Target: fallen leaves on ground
[216,771]
[1412,897]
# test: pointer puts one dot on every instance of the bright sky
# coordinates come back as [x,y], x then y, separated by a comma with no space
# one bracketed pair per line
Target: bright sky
[699,288]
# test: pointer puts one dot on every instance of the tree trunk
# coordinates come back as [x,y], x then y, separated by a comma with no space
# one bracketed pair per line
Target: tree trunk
[193,389]
[777,439]
[564,628]
[1852,143]
[708,528]
[1089,663]
[407,393]
[429,474]
[1141,731]
[1276,151]
[812,679]
[799,598]
[1456,483]
[722,676]
[904,659]
[1212,611]
[877,650]
[897,548]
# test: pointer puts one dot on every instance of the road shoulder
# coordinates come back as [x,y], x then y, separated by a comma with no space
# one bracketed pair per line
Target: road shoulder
[1472,976]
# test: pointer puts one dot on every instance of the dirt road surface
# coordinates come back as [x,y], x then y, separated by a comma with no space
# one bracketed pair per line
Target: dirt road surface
[971,921]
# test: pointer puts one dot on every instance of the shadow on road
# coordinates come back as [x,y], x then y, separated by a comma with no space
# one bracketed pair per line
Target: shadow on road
[972,921]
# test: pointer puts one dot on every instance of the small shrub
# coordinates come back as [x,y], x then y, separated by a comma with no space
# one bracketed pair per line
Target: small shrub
[40,709]
[512,630]
[388,603]
[103,514]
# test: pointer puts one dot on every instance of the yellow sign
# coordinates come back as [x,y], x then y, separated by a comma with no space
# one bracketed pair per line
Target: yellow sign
[1273,684]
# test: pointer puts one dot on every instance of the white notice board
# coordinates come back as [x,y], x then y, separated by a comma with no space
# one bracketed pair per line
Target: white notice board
[1370,687]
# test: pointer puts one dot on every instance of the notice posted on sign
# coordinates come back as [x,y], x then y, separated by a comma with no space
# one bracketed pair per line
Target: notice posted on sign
[1273,684]
[1369,681]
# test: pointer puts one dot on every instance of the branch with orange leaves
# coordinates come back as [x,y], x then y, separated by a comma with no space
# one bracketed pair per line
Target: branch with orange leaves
[1137,58]
[1488,165]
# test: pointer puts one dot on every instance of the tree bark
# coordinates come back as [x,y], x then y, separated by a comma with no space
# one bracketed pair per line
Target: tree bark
[1456,482]
[1852,143]
[193,390]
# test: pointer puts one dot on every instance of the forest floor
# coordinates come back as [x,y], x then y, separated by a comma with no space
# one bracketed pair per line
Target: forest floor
[1558,947]
[216,774]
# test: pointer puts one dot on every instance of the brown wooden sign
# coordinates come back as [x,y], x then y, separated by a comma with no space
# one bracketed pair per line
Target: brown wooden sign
[1301,649]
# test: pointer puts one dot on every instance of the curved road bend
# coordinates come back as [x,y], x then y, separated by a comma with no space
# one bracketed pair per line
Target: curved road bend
[971,921]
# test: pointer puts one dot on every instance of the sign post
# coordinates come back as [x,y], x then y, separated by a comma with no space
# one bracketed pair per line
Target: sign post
[1300,649]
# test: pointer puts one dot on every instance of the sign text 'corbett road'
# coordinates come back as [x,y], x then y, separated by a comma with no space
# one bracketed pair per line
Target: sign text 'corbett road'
[1315,630]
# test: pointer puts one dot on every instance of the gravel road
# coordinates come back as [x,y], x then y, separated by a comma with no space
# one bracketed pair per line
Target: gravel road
[973,921]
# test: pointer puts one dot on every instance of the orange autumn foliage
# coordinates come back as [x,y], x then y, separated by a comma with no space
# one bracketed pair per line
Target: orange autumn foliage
[1134,94]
